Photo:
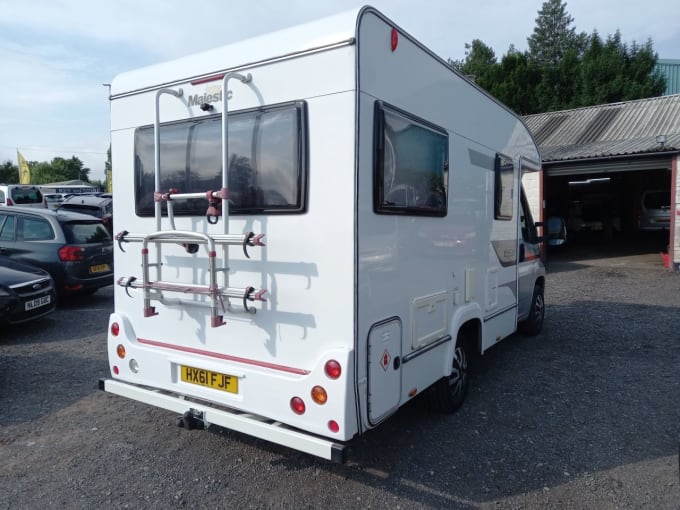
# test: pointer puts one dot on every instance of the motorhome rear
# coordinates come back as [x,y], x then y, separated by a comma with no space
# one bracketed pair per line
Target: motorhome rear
[367,235]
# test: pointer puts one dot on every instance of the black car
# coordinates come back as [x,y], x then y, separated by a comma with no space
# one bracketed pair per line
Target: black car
[97,205]
[26,292]
[76,249]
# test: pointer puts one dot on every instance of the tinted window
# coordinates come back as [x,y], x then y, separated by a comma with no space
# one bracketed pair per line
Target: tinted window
[657,199]
[504,187]
[6,227]
[411,164]
[526,221]
[26,196]
[84,232]
[35,229]
[267,161]
[82,209]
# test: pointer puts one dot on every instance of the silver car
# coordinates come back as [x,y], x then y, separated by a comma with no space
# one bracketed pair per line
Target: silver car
[655,210]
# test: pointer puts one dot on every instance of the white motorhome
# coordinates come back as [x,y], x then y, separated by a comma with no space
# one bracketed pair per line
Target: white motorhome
[357,236]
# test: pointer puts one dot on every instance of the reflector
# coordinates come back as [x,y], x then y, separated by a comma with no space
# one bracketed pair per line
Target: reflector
[319,395]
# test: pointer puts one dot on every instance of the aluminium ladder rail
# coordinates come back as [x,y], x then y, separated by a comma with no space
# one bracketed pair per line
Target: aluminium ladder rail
[190,239]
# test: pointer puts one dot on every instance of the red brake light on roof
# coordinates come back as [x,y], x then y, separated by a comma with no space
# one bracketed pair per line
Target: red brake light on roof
[71,253]
[394,39]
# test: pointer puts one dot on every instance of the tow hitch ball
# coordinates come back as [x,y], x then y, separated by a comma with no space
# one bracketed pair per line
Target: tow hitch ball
[190,420]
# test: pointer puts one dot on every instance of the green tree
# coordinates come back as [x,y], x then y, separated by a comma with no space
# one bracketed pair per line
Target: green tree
[553,35]
[9,172]
[613,71]
[562,68]
[516,82]
[59,169]
[71,169]
[480,63]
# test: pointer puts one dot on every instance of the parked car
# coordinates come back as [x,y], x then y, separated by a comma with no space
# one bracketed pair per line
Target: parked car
[54,200]
[26,292]
[655,210]
[76,249]
[593,215]
[99,206]
[21,194]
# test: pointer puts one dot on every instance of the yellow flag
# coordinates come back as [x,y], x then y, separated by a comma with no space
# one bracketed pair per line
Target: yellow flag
[24,171]
[109,182]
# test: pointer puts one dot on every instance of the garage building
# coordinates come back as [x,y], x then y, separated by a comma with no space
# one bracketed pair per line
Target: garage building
[611,171]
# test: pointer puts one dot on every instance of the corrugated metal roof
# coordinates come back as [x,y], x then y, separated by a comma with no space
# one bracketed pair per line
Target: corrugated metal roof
[607,130]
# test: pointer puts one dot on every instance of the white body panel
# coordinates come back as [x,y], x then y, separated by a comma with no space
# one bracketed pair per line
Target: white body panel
[383,295]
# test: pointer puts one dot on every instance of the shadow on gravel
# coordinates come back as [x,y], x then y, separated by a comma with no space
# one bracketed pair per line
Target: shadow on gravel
[588,394]
[594,391]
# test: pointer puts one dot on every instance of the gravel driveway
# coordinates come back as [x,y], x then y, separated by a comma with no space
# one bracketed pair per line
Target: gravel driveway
[586,415]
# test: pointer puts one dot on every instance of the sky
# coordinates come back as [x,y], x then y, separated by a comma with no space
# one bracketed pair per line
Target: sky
[56,56]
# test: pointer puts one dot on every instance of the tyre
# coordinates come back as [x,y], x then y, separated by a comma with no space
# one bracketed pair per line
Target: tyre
[448,393]
[533,324]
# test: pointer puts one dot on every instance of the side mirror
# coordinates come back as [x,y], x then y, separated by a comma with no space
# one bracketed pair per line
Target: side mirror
[556,231]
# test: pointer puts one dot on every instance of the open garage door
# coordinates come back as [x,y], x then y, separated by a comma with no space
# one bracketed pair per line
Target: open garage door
[606,206]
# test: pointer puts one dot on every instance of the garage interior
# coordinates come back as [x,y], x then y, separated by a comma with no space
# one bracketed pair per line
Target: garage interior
[603,208]
[597,163]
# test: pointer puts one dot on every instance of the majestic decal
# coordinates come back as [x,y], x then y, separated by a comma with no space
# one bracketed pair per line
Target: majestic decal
[212,94]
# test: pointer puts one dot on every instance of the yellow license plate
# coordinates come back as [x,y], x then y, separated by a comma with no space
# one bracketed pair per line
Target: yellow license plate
[100,268]
[209,379]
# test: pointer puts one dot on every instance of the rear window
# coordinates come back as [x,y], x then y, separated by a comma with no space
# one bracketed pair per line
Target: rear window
[657,199]
[26,196]
[267,161]
[82,209]
[85,232]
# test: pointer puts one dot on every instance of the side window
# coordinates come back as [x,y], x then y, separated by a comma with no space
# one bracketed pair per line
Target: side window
[2,197]
[504,187]
[6,227]
[411,164]
[33,229]
[526,221]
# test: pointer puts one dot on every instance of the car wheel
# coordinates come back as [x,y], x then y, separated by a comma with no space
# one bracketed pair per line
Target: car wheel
[448,393]
[533,325]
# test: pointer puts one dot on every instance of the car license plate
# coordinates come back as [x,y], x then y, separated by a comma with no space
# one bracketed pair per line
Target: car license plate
[37,303]
[100,268]
[209,379]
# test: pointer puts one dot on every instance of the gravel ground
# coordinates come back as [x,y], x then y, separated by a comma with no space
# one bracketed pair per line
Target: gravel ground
[584,416]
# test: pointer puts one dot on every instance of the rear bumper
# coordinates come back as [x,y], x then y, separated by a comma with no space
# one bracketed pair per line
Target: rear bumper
[249,424]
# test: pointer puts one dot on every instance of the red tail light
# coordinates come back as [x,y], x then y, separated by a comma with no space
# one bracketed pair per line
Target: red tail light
[297,405]
[333,369]
[71,253]
[9,201]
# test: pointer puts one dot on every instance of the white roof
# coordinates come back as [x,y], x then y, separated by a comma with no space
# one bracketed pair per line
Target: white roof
[315,34]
